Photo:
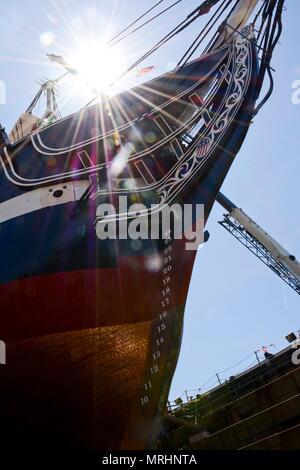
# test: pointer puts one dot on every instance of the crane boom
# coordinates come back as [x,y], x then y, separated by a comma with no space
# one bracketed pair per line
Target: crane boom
[260,243]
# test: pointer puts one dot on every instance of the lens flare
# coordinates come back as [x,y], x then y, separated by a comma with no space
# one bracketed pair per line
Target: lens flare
[98,66]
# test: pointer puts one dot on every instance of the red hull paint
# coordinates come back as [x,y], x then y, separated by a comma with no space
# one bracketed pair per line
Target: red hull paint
[79,349]
[90,298]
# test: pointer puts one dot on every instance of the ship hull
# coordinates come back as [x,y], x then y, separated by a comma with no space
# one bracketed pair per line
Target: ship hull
[93,327]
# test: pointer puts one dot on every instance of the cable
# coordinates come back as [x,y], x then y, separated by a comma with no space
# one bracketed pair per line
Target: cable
[212,41]
[134,22]
[266,42]
[266,6]
[268,95]
[178,29]
[271,41]
[201,388]
[235,365]
[111,44]
[34,101]
[259,12]
[187,56]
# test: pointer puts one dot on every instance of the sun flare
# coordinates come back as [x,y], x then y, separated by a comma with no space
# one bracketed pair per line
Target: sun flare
[97,65]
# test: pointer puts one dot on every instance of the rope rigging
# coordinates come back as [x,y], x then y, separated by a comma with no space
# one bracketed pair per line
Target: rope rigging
[202,9]
[116,40]
[268,36]
[269,32]
[134,22]
[196,43]
[272,36]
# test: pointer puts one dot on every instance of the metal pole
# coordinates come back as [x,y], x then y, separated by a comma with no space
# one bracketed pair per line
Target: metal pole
[256,355]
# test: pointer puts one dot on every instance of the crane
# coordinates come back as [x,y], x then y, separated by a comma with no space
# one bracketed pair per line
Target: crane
[260,243]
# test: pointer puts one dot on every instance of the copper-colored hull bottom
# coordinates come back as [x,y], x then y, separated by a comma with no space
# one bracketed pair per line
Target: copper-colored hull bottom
[76,389]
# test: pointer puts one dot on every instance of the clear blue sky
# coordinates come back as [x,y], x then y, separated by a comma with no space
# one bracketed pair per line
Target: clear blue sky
[235,303]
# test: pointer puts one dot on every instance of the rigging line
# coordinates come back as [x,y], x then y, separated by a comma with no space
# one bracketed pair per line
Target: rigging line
[243,36]
[270,42]
[265,44]
[38,95]
[265,14]
[268,95]
[269,16]
[207,32]
[262,38]
[269,49]
[231,367]
[260,12]
[179,28]
[278,18]
[199,35]
[274,41]
[202,386]
[210,43]
[265,19]
[237,364]
[134,22]
[111,44]
[34,101]
[213,39]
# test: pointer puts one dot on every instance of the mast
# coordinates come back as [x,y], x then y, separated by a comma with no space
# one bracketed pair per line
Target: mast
[241,13]
[236,20]
[49,88]
[28,122]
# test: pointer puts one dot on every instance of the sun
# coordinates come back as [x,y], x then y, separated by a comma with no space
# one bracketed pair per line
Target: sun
[98,65]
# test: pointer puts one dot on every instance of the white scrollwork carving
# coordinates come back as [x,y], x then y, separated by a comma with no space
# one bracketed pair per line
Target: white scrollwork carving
[240,76]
